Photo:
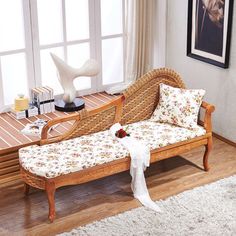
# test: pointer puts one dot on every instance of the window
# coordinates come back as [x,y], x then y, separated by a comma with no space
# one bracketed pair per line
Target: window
[75,30]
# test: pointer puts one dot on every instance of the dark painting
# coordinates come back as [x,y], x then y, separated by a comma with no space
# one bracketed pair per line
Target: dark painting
[211,37]
[210,25]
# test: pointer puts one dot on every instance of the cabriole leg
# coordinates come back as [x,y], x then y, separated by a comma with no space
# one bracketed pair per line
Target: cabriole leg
[50,189]
[208,149]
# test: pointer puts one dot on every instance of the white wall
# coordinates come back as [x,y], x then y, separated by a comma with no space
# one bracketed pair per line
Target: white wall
[220,84]
[159,42]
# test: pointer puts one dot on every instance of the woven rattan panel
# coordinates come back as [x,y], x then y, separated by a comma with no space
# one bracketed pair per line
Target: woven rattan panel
[142,97]
[33,180]
[92,124]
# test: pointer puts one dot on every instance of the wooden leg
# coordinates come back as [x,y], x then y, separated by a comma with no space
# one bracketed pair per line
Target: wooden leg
[50,189]
[26,189]
[208,148]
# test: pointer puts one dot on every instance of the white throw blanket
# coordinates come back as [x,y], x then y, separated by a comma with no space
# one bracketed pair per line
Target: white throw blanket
[140,158]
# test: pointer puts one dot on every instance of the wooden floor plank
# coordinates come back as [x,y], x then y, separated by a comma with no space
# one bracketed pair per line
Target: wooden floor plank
[82,204]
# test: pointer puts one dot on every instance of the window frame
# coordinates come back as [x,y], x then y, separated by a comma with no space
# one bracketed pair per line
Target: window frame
[27,50]
[100,86]
[32,46]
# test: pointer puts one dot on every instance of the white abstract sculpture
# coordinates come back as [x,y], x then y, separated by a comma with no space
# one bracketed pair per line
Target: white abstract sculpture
[67,74]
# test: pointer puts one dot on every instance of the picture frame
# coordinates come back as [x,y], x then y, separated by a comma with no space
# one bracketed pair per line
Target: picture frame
[209,31]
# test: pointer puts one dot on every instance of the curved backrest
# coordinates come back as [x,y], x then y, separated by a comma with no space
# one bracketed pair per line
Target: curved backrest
[142,97]
[95,123]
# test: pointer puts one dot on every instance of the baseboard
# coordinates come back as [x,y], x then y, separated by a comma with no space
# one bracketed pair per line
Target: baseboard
[224,139]
[200,122]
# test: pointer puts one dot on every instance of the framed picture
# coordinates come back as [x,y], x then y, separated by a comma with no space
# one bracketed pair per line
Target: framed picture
[209,31]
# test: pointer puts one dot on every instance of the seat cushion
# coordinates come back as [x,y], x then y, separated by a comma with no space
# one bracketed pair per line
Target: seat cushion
[76,154]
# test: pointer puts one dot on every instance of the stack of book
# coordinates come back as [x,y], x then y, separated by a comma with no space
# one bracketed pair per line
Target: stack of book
[31,111]
[43,99]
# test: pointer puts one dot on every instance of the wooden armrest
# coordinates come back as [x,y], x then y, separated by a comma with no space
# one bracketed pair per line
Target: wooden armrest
[117,102]
[56,121]
[207,118]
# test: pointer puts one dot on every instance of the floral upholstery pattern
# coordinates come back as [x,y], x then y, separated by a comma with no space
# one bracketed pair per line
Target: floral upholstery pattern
[178,106]
[72,155]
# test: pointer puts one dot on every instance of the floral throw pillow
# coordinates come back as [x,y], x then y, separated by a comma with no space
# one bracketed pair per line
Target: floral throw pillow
[178,106]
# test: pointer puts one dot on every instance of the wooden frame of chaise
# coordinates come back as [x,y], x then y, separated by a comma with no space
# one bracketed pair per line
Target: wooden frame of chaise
[101,119]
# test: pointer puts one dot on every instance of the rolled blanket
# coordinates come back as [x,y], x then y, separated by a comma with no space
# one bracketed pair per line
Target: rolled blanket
[140,159]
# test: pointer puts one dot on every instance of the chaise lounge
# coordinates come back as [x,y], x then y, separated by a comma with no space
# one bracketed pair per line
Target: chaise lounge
[88,152]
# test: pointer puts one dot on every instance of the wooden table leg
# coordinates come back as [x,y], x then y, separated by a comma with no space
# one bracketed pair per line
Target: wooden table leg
[50,189]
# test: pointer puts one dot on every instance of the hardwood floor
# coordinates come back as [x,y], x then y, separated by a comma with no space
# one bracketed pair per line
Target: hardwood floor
[82,204]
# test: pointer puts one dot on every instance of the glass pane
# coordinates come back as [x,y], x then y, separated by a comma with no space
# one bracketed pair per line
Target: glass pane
[112,60]
[14,76]
[50,21]
[77,55]
[48,69]
[77,19]
[111,16]
[11,25]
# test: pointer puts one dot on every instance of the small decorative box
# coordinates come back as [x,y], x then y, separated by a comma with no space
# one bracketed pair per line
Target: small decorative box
[32,111]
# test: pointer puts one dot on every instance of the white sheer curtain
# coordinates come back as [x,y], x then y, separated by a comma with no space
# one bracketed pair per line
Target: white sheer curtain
[138,41]
[139,30]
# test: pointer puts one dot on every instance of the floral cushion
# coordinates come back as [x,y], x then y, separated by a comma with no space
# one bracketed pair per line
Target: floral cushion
[178,106]
[72,155]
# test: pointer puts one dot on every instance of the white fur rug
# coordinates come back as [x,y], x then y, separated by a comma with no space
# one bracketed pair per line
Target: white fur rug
[206,210]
